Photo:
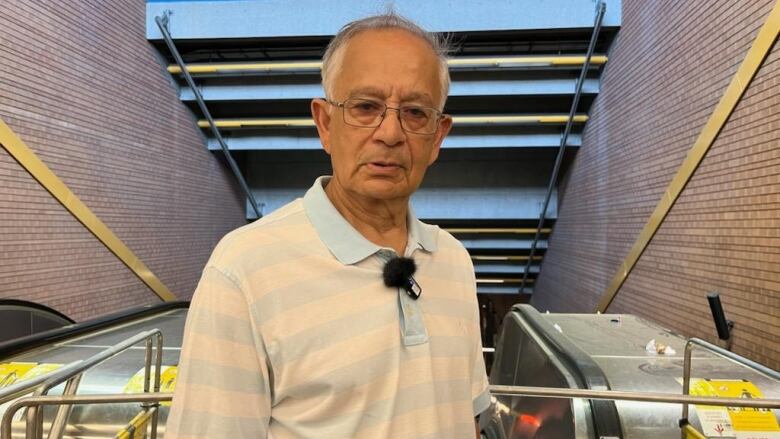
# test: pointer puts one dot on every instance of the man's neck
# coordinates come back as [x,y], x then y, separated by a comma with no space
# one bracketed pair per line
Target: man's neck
[382,222]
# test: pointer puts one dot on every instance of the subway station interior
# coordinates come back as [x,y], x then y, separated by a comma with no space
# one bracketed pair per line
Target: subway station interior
[613,171]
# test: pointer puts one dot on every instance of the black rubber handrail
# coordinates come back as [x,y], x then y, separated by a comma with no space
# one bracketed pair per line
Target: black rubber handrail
[35,306]
[586,372]
[22,344]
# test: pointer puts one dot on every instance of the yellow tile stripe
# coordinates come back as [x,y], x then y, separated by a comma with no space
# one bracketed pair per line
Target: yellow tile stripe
[29,161]
[739,83]
[508,61]
[458,120]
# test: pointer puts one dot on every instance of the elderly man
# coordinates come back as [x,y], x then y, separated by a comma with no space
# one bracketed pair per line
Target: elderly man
[293,332]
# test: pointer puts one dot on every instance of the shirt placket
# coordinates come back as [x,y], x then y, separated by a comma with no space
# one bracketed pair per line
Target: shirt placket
[411,322]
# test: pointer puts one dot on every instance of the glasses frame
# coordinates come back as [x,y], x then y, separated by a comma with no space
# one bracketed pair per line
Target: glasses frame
[439,115]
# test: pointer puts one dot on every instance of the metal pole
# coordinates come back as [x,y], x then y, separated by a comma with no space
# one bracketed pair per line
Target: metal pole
[157,377]
[600,9]
[162,23]
[632,396]
[686,377]
[61,419]
[147,364]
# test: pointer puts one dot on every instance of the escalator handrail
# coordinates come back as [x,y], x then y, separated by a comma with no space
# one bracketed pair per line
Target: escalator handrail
[37,307]
[22,344]
[586,372]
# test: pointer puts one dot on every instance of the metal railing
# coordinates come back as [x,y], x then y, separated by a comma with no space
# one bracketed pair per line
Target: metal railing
[156,398]
[618,395]
[150,400]
[37,402]
[760,368]
[71,376]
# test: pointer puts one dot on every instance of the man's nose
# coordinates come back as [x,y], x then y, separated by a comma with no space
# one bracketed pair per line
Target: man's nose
[390,131]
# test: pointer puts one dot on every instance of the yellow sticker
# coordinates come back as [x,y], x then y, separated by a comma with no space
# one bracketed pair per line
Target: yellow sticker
[736,422]
[167,381]
[11,373]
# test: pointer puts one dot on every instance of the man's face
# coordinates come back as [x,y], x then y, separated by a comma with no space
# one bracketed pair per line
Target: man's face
[382,163]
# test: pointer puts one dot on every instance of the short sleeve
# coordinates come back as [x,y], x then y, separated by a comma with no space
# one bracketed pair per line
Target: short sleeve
[223,388]
[480,393]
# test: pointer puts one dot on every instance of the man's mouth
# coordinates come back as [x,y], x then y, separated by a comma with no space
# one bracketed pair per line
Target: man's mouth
[385,164]
[383,167]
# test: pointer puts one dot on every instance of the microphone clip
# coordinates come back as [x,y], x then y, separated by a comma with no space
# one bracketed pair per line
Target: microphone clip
[412,288]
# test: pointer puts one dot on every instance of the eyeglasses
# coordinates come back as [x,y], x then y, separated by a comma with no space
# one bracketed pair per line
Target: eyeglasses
[366,113]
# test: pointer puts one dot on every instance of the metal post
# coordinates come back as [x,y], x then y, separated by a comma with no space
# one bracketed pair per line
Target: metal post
[162,23]
[600,9]
[686,382]
[157,377]
[63,413]
[34,428]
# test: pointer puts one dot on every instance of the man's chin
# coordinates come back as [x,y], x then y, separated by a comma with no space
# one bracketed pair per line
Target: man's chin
[385,190]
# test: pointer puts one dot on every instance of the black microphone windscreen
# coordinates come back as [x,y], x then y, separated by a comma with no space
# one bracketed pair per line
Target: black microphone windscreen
[397,272]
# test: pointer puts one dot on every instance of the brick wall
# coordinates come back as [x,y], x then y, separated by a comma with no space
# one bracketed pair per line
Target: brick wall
[83,88]
[668,68]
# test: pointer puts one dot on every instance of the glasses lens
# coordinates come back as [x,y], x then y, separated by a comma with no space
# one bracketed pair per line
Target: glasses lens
[363,112]
[368,113]
[418,119]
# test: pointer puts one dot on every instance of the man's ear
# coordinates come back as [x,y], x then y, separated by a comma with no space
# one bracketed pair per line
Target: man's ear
[441,132]
[321,116]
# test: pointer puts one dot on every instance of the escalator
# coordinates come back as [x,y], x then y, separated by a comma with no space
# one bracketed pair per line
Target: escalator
[618,352]
[24,359]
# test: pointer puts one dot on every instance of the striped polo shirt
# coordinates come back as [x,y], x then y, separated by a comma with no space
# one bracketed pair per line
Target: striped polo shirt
[292,334]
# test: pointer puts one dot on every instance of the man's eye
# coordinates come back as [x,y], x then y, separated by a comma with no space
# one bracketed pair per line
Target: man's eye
[415,112]
[366,106]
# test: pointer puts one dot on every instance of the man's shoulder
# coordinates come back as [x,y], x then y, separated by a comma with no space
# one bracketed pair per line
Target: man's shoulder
[446,242]
[286,224]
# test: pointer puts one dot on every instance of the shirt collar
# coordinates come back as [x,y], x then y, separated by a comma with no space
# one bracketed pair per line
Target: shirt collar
[346,243]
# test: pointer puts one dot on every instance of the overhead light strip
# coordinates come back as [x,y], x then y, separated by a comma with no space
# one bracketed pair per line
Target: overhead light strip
[454,63]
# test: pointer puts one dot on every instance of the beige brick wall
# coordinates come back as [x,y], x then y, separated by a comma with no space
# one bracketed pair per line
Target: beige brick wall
[667,70]
[83,88]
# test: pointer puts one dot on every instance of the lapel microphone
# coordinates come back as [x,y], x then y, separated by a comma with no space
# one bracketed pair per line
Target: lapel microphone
[398,273]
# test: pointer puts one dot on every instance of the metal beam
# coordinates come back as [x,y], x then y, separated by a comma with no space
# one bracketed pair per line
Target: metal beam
[297,122]
[760,48]
[502,269]
[282,18]
[502,289]
[303,91]
[308,140]
[450,203]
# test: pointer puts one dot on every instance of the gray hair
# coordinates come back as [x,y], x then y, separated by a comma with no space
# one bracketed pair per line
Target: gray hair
[334,54]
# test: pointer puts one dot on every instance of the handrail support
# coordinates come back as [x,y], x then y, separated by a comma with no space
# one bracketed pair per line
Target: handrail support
[600,10]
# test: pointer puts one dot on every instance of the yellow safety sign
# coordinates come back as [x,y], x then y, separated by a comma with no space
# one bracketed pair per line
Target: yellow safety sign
[167,381]
[734,422]
[11,373]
